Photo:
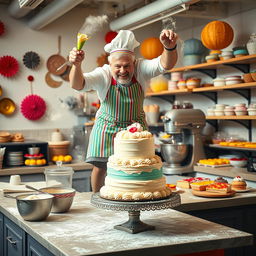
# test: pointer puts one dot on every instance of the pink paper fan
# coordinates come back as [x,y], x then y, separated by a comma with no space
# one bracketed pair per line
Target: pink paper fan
[33,107]
[9,66]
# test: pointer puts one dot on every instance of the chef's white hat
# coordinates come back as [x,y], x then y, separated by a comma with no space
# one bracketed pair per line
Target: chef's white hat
[125,41]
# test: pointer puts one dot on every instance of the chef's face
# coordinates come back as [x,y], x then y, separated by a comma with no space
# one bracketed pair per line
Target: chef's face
[122,68]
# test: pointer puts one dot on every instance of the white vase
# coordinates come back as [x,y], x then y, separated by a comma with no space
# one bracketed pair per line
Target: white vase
[251,45]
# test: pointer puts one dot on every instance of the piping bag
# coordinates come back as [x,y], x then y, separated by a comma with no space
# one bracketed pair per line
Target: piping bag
[91,25]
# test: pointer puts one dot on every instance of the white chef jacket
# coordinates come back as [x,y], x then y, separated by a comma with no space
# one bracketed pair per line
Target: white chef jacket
[100,78]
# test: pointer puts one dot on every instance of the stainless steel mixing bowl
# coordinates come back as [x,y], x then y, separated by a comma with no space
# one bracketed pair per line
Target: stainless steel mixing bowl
[34,209]
[174,153]
[63,198]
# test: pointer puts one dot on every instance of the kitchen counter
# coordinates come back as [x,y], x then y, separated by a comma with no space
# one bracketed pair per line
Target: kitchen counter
[227,172]
[86,230]
[77,166]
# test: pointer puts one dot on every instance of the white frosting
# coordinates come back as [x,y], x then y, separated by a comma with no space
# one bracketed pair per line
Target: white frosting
[154,162]
[238,178]
[134,148]
[134,152]
[129,190]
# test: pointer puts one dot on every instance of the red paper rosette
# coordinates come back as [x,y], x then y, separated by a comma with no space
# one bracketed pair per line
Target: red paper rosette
[1,28]
[9,66]
[33,107]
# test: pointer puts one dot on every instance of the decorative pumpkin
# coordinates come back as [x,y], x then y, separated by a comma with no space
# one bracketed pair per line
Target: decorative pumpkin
[217,35]
[193,47]
[151,48]
[110,36]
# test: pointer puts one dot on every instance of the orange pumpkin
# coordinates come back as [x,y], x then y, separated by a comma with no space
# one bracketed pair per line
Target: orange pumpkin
[151,48]
[217,35]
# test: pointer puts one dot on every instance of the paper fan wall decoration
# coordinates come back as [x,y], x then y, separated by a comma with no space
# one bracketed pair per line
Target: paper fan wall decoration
[33,107]
[2,28]
[31,60]
[9,66]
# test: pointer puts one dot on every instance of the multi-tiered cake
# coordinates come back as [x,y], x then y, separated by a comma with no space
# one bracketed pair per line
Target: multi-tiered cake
[134,172]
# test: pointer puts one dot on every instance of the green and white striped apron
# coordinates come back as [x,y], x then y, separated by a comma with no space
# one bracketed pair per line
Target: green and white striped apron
[122,106]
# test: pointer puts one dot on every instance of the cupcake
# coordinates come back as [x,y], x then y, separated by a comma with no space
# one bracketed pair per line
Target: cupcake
[220,179]
[238,183]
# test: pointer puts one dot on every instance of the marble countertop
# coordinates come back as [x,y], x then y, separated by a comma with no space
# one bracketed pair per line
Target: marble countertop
[86,230]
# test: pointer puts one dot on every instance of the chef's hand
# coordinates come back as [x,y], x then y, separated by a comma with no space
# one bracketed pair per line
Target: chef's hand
[168,38]
[76,57]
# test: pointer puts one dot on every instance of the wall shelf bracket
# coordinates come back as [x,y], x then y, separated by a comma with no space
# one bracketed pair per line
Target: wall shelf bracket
[213,123]
[168,98]
[209,72]
[246,93]
[210,95]
[242,67]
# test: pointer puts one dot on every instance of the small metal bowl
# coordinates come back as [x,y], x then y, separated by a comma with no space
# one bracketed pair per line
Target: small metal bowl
[63,198]
[34,150]
[34,209]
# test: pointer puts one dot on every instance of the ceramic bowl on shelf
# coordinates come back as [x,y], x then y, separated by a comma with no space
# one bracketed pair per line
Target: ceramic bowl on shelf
[253,74]
[219,112]
[248,78]
[238,162]
[219,81]
[251,111]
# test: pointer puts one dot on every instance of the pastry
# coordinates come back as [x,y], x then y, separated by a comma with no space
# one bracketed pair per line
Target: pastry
[201,185]
[219,188]
[220,179]
[238,183]
[185,183]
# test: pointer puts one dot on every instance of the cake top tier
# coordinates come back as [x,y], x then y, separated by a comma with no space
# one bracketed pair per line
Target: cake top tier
[133,131]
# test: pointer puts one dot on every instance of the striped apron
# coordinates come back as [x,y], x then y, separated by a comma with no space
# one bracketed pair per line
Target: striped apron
[122,106]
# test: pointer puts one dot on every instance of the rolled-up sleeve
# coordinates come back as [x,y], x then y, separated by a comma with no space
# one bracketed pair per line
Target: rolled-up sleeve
[99,80]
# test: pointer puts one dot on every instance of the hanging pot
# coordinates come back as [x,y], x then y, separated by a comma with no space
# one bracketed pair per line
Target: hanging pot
[51,82]
[55,61]
[7,106]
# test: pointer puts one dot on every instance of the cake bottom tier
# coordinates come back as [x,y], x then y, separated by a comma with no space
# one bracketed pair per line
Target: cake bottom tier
[134,190]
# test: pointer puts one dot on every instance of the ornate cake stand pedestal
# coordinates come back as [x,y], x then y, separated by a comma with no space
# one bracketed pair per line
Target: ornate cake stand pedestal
[134,224]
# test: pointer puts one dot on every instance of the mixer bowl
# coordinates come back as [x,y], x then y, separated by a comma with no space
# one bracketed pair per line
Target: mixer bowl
[174,154]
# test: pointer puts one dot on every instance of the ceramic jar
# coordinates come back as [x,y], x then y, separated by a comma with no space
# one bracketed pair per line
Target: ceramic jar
[251,45]
[219,81]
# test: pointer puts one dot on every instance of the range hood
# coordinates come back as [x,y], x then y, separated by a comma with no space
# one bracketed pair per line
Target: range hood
[48,14]
[158,10]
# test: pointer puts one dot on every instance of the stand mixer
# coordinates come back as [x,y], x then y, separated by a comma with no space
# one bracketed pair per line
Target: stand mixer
[184,148]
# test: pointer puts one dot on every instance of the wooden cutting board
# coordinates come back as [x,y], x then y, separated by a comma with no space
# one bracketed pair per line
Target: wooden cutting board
[212,194]
[6,187]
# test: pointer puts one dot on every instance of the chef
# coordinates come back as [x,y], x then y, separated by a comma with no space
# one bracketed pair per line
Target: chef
[120,87]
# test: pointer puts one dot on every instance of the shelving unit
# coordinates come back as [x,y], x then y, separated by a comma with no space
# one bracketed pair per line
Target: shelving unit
[243,89]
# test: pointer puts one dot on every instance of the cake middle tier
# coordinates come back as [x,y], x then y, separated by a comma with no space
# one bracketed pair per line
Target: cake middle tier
[134,148]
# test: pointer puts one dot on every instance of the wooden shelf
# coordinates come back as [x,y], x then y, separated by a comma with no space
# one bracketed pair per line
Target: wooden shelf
[230,117]
[226,87]
[231,148]
[203,89]
[172,92]
[213,65]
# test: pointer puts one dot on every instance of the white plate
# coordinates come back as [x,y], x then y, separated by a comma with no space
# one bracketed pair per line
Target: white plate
[245,190]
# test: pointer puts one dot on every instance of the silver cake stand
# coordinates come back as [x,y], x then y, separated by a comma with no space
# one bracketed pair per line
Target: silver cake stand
[134,224]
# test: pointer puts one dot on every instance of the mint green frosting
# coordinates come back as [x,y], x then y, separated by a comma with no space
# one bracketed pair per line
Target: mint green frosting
[119,174]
